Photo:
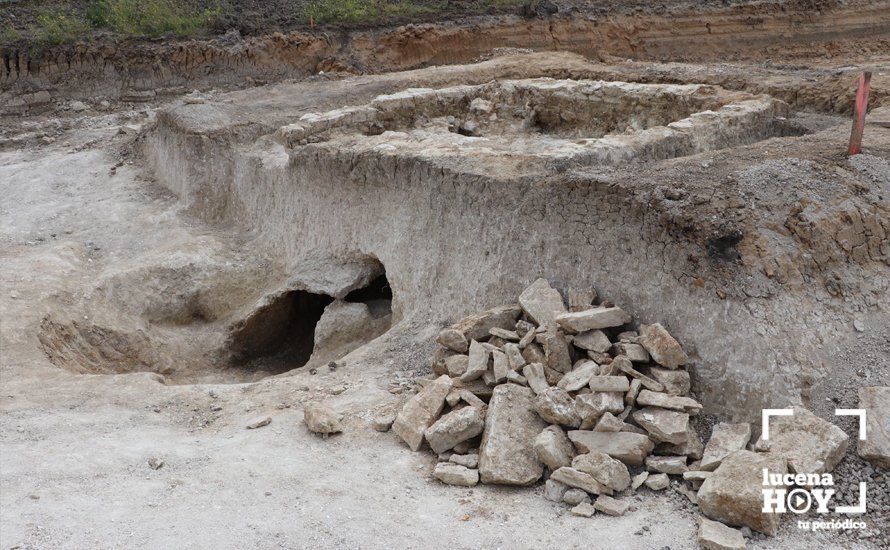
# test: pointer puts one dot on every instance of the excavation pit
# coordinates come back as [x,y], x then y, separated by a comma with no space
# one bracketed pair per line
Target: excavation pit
[576,122]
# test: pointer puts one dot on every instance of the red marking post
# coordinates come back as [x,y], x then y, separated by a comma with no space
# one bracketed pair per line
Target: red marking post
[859,114]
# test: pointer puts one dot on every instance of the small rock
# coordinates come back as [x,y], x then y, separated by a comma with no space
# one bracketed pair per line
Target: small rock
[500,367]
[623,364]
[638,480]
[259,422]
[455,474]
[456,365]
[516,378]
[514,356]
[477,326]
[635,352]
[592,406]
[554,491]
[382,421]
[421,411]
[504,334]
[725,439]
[593,340]
[630,398]
[534,373]
[605,469]
[467,461]
[609,423]
[657,482]
[675,382]
[630,448]
[692,447]
[553,448]
[713,535]
[477,362]
[663,348]
[809,444]
[662,424]
[556,351]
[578,479]
[581,375]
[666,464]
[584,510]
[453,428]
[662,400]
[155,463]
[321,419]
[575,496]
[541,302]
[610,506]
[592,319]
[556,406]
[609,383]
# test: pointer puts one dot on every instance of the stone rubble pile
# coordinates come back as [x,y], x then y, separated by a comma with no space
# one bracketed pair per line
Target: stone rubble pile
[538,391]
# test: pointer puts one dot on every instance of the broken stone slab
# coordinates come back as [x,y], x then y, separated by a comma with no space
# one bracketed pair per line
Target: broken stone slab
[553,448]
[725,439]
[541,302]
[657,482]
[661,400]
[630,398]
[556,406]
[259,422]
[583,510]
[593,319]
[453,339]
[623,364]
[477,387]
[578,479]
[610,506]
[593,340]
[733,494]
[663,348]
[507,454]
[454,427]
[608,422]
[528,338]
[504,334]
[382,421]
[675,382]
[692,447]
[580,376]
[876,446]
[635,352]
[321,419]
[421,411]
[609,383]
[500,367]
[575,496]
[534,373]
[713,535]
[809,444]
[662,424]
[516,378]
[630,448]
[456,365]
[554,491]
[674,465]
[438,361]
[515,360]
[477,326]
[467,461]
[608,471]
[556,350]
[455,474]
[639,479]
[477,362]
[592,406]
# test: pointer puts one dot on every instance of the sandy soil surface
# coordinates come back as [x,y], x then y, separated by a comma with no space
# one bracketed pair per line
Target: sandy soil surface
[77,209]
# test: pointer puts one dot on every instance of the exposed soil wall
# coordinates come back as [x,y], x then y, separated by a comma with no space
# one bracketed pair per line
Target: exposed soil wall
[134,70]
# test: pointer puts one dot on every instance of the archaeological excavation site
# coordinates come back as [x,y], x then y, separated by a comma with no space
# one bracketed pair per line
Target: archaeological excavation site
[609,274]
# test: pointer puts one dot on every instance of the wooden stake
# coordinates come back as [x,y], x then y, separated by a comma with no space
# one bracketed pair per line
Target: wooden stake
[859,114]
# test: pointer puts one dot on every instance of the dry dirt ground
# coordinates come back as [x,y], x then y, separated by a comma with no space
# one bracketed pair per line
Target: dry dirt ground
[88,236]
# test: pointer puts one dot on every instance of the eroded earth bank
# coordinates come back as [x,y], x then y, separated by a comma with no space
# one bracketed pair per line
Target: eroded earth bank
[176,271]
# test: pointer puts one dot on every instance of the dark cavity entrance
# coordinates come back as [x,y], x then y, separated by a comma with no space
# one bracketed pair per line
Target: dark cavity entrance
[377,296]
[279,336]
